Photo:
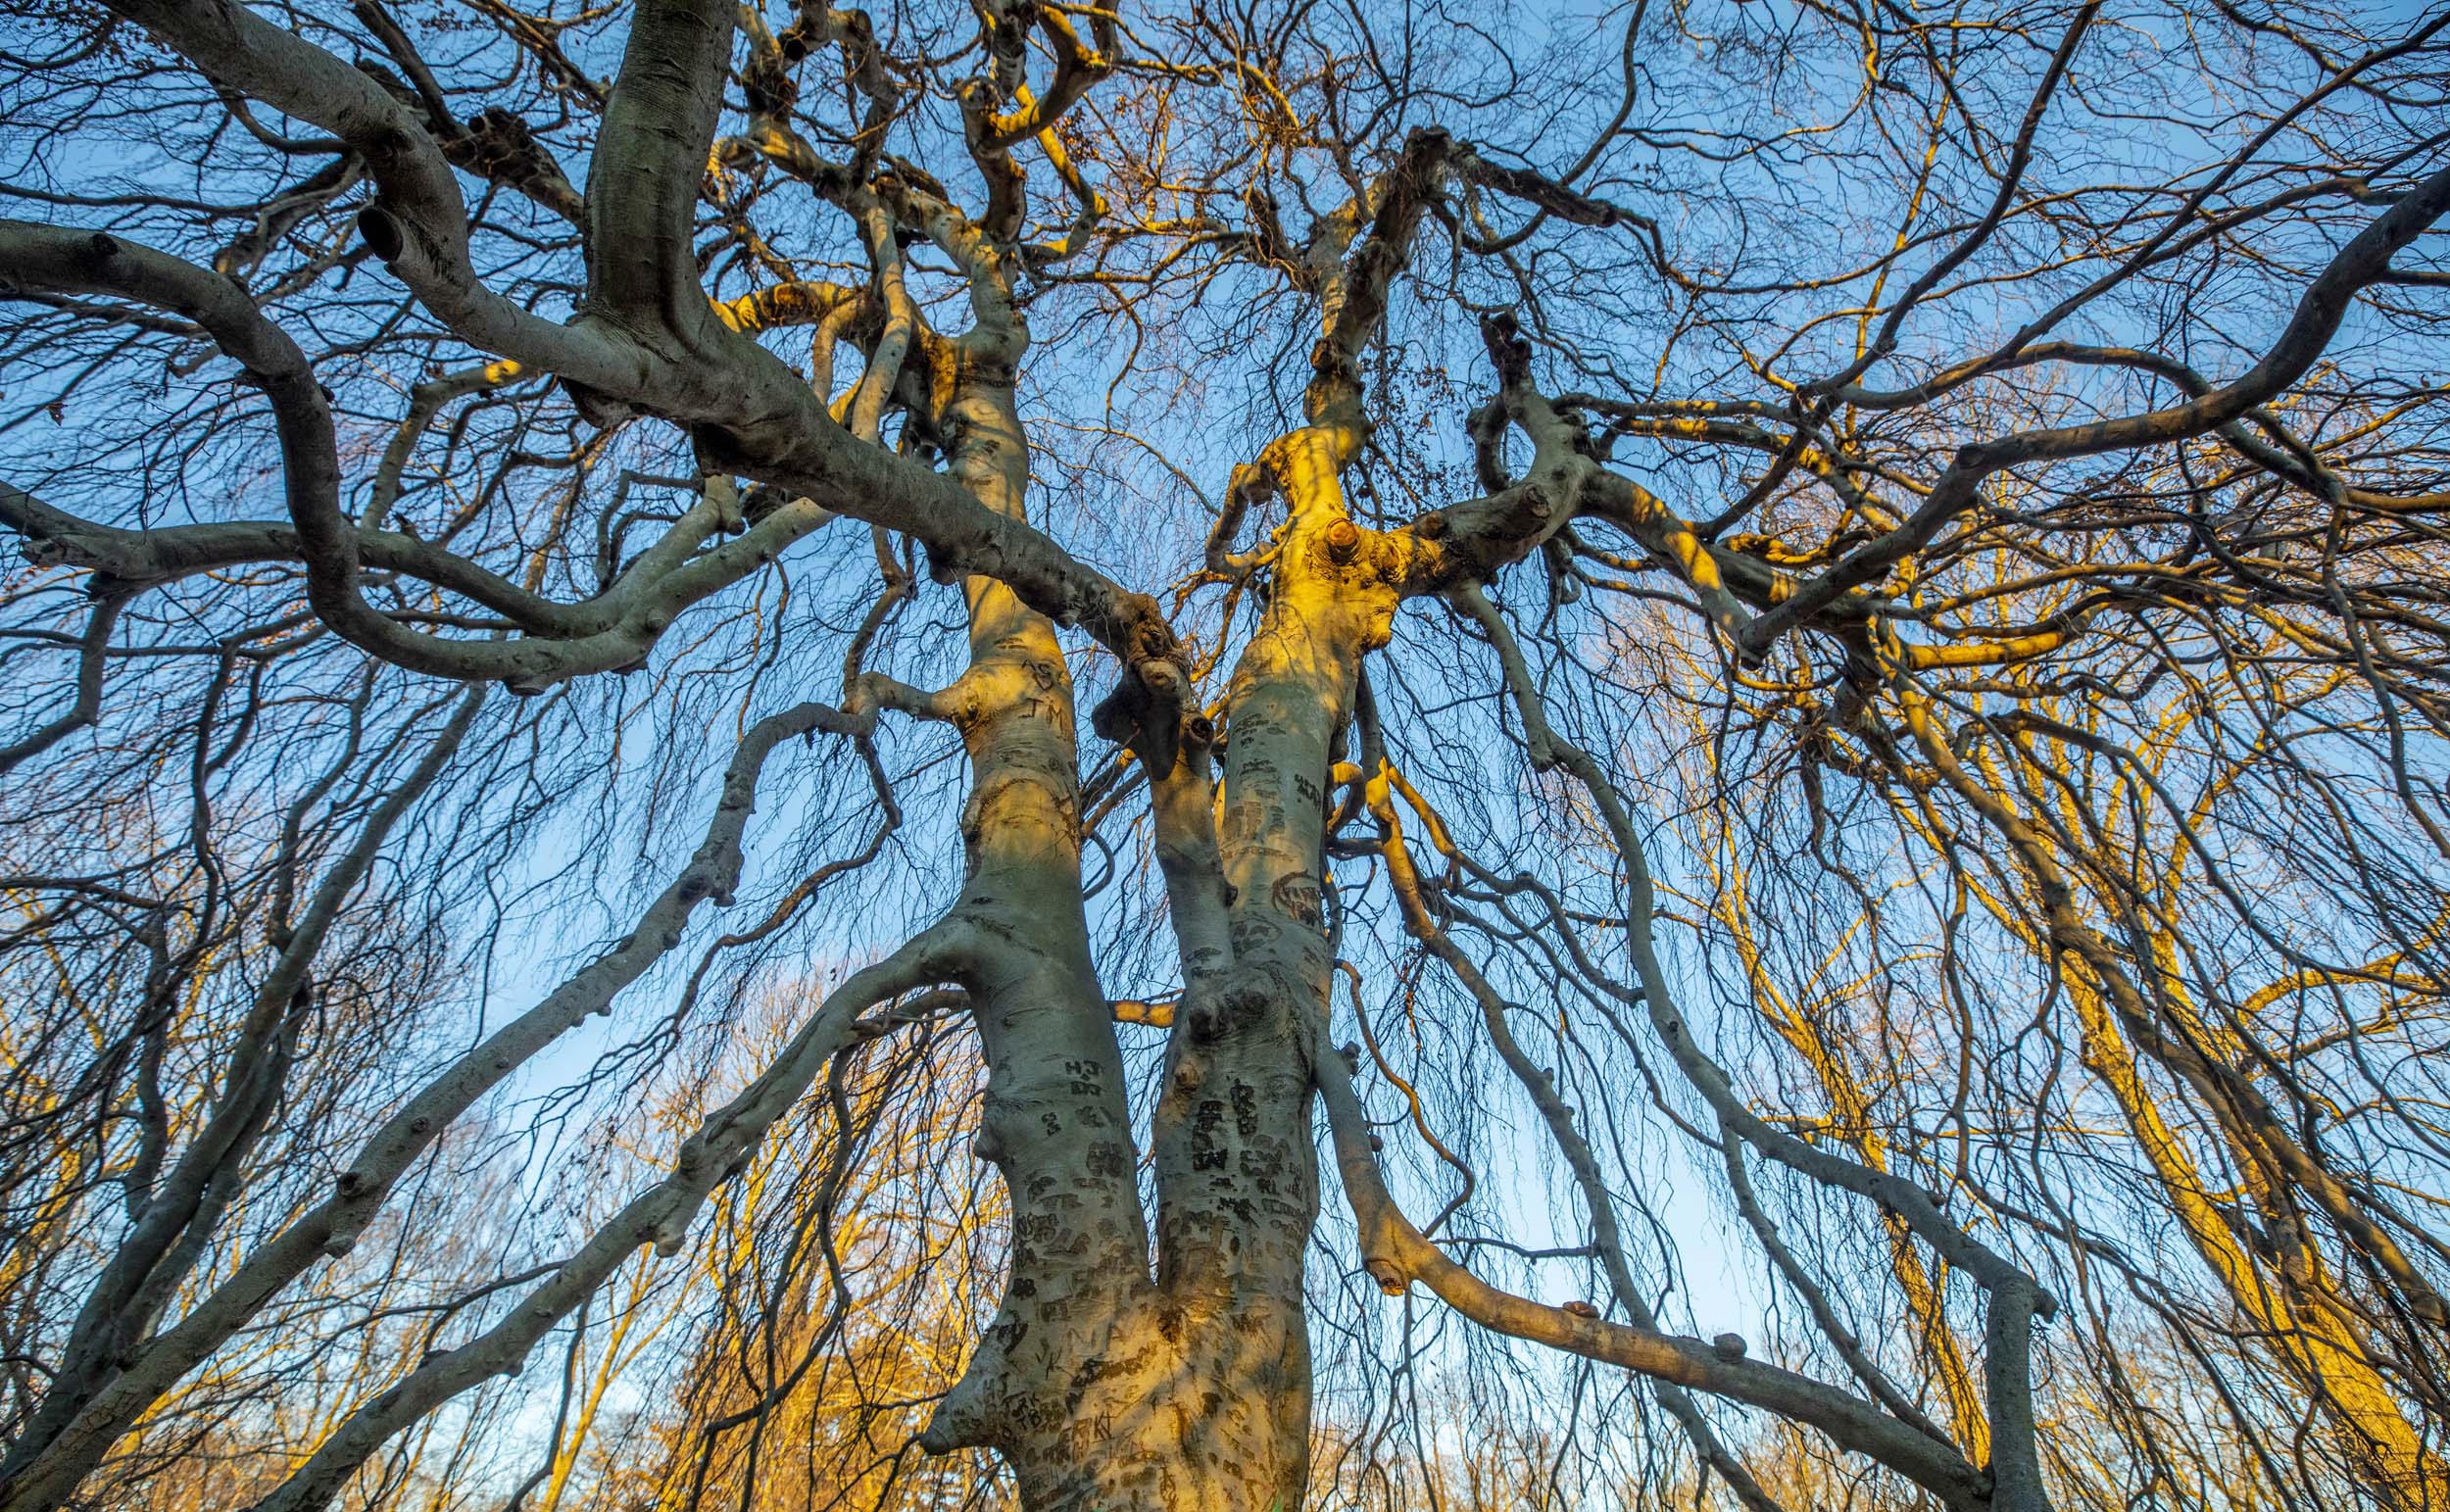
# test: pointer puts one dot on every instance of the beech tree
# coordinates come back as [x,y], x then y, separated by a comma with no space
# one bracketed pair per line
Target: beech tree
[1440,677]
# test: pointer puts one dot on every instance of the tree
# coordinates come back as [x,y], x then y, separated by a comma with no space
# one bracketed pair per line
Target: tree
[1841,603]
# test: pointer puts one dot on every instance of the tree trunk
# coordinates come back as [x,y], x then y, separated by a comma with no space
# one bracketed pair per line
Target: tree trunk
[1104,1383]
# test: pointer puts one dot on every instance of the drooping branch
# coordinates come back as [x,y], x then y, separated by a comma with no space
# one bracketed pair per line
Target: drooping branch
[2363,262]
[81,1419]
[1397,1254]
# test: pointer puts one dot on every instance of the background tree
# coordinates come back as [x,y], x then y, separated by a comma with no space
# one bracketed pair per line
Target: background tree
[1837,607]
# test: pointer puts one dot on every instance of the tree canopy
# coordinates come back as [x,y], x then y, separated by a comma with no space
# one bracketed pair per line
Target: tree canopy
[1224,755]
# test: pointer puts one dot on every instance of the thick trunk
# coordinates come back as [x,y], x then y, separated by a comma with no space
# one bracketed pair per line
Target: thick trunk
[1238,1175]
[1102,1384]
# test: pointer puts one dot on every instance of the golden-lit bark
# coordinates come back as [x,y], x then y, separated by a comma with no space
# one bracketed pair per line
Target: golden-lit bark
[2292,1307]
[732,730]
